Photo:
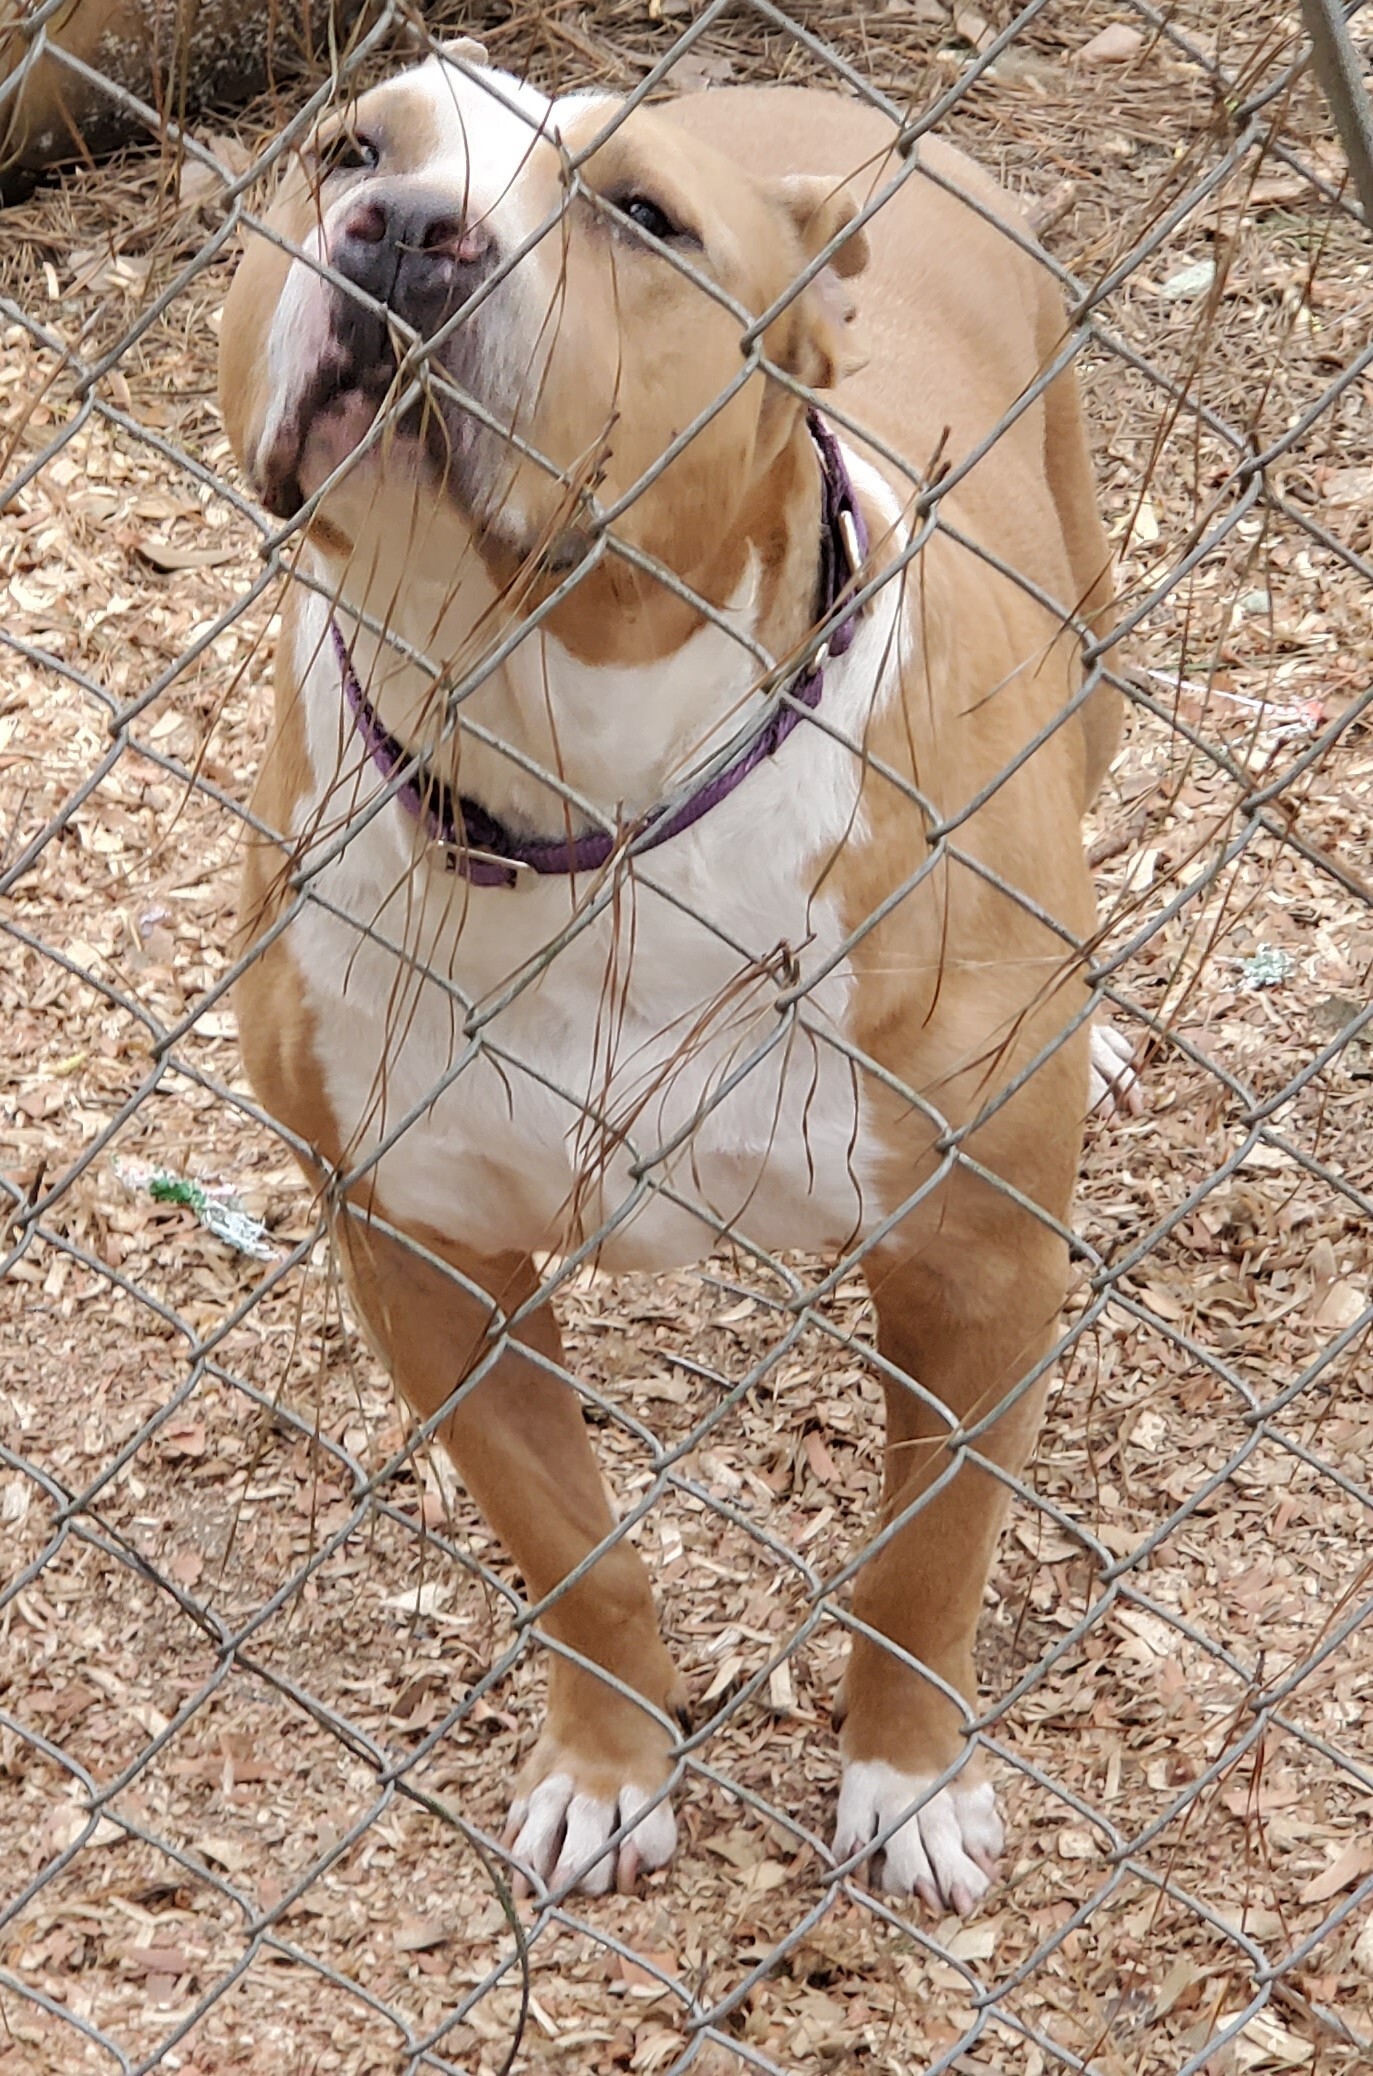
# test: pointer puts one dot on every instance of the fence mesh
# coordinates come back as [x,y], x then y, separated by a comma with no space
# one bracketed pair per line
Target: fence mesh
[268,1674]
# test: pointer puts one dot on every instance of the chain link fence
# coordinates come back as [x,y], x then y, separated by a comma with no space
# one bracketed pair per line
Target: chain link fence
[268,1675]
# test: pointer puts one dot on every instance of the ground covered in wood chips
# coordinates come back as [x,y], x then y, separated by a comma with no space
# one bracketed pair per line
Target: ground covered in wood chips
[271,1879]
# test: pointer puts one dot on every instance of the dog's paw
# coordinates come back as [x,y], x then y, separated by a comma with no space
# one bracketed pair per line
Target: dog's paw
[945,1852]
[560,1830]
[1113,1083]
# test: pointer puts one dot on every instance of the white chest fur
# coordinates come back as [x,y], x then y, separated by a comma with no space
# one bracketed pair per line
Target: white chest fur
[523,1084]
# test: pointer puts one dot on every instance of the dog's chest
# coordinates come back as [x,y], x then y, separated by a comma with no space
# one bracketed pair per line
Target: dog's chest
[577,1109]
[670,1070]
[653,1074]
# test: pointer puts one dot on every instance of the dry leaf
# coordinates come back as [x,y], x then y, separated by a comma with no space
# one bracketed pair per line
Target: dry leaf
[67,1823]
[1270,190]
[186,1567]
[226,1852]
[819,1459]
[421,1934]
[1363,1950]
[1344,1870]
[642,1977]
[1277,1793]
[1143,867]
[182,1438]
[1348,486]
[1159,1637]
[1046,1541]
[1144,525]
[1264,2043]
[973,1942]
[1340,1306]
[729,1671]
[198,183]
[159,1960]
[1180,1977]
[737,1314]
[167,556]
[421,1600]
[242,1758]
[740,1848]
[1160,1299]
[1257,1922]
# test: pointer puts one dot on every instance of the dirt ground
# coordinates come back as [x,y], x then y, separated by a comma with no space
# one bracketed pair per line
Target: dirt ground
[261,1635]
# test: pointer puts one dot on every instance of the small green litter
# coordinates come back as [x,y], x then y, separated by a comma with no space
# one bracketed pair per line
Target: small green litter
[213,1203]
[1268,967]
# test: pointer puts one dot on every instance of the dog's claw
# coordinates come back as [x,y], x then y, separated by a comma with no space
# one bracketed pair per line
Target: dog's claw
[944,1853]
[627,1870]
[560,1834]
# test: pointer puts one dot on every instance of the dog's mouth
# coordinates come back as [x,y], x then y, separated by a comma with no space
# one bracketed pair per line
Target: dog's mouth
[360,377]
[329,423]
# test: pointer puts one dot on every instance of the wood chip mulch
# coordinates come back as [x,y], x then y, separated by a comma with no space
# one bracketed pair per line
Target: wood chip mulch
[267,1683]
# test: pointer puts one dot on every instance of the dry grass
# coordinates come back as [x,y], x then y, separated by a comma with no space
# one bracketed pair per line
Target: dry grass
[268,1861]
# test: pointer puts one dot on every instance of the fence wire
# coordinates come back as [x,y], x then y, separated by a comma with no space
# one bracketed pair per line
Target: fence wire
[269,1675]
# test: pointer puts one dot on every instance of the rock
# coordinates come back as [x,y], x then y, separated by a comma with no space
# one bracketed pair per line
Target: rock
[1112,45]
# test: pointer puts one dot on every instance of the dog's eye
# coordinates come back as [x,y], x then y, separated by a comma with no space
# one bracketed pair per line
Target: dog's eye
[347,152]
[649,217]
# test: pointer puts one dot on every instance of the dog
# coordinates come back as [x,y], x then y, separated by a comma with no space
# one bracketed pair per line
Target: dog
[680,924]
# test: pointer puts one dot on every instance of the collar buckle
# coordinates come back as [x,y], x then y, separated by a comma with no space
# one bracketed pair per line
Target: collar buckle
[518,871]
[848,535]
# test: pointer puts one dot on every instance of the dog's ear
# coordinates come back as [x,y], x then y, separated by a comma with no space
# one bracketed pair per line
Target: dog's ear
[465,48]
[411,35]
[827,342]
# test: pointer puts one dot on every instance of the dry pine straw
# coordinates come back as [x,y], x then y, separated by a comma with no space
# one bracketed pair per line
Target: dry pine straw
[228,1501]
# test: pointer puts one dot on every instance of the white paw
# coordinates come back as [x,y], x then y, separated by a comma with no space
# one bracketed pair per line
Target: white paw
[1113,1083]
[945,1852]
[560,1834]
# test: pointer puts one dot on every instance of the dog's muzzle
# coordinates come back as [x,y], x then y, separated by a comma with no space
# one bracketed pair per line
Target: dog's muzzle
[415,261]
[411,249]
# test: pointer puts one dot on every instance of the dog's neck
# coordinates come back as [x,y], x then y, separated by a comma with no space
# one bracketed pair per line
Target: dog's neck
[621,735]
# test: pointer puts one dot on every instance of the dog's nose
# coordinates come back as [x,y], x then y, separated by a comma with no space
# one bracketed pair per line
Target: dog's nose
[412,249]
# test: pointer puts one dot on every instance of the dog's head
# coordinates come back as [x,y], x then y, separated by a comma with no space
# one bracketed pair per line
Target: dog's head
[561,295]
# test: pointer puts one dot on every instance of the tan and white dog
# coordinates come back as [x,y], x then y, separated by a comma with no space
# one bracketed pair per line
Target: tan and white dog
[844,1008]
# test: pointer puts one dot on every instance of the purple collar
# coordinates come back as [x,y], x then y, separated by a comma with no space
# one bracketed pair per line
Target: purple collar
[482,850]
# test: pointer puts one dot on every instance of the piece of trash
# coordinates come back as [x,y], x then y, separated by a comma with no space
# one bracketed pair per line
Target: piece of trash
[1268,967]
[1189,282]
[214,1204]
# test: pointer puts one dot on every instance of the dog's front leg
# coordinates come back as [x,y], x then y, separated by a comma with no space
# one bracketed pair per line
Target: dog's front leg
[521,1448]
[965,1311]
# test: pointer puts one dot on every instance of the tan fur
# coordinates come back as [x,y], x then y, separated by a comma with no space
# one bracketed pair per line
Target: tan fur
[957,989]
[960,987]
